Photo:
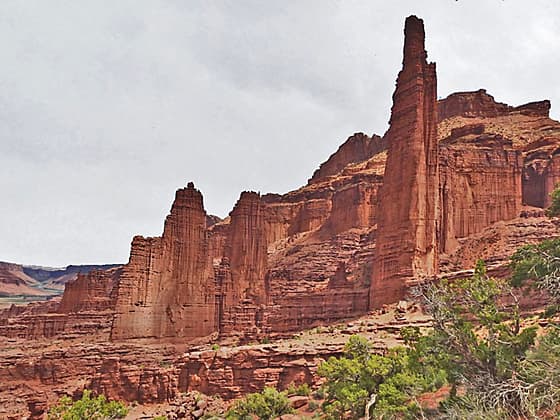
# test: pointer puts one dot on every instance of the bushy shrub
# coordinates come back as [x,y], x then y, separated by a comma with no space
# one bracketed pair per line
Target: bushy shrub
[267,404]
[301,390]
[540,263]
[87,408]
[361,377]
[554,209]
[479,346]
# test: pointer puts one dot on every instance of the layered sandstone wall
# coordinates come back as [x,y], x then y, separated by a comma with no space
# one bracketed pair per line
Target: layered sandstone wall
[90,292]
[166,289]
[353,207]
[481,104]
[541,172]
[357,148]
[480,181]
[409,198]
[240,279]
[471,104]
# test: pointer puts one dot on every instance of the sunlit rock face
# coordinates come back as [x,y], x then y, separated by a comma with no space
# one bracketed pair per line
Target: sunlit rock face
[408,215]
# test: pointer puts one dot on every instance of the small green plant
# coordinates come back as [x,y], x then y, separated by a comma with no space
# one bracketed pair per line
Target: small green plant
[539,263]
[265,340]
[160,418]
[313,406]
[87,408]
[215,347]
[266,405]
[320,394]
[302,390]
[554,209]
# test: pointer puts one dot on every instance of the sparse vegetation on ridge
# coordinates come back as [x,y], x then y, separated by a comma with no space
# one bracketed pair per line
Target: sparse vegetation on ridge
[87,408]
[267,404]
[554,209]
[480,349]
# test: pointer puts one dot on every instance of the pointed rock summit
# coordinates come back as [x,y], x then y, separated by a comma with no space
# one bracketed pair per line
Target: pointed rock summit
[409,199]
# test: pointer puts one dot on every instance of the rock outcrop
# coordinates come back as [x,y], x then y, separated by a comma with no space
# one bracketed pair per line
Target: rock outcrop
[471,104]
[480,184]
[541,172]
[90,292]
[482,104]
[166,289]
[357,148]
[242,291]
[406,244]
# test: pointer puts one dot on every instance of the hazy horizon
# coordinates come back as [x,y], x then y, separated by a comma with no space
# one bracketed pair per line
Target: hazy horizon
[107,108]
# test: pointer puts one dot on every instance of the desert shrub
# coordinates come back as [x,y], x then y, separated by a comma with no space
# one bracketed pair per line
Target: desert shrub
[481,334]
[87,408]
[360,378]
[313,406]
[301,390]
[267,404]
[478,344]
[554,209]
[540,263]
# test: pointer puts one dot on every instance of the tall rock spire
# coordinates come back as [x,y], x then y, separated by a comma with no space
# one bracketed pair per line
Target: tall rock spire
[167,287]
[406,242]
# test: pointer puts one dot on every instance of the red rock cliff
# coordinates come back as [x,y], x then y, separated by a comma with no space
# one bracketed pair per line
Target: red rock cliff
[409,199]
[481,104]
[241,276]
[167,288]
[480,179]
[89,292]
[357,148]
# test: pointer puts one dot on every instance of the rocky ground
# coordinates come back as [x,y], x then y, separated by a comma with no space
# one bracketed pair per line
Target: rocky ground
[163,378]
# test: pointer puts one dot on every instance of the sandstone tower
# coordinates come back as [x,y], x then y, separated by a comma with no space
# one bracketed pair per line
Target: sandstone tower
[408,210]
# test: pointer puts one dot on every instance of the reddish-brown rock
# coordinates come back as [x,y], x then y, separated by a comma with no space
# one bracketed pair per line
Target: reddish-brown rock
[471,104]
[357,148]
[166,289]
[480,184]
[241,276]
[406,244]
[541,172]
[354,206]
[90,292]
[482,104]
[282,263]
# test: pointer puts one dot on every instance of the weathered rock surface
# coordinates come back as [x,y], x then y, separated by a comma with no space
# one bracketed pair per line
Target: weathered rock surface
[357,148]
[481,104]
[92,292]
[36,373]
[166,289]
[480,184]
[242,291]
[408,215]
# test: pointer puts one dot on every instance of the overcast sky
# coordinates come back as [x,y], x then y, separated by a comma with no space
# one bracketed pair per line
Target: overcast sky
[107,107]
